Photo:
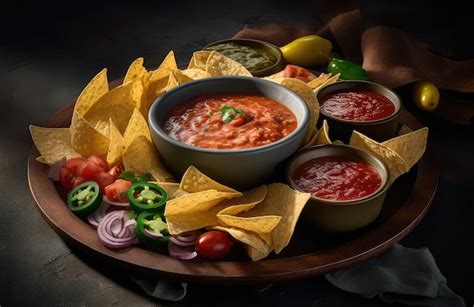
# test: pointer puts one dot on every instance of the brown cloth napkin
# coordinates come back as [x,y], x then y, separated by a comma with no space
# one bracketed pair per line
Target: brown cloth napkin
[391,57]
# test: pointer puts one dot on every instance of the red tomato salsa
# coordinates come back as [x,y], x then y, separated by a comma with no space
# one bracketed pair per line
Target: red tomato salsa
[358,105]
[230,121]
[337,178]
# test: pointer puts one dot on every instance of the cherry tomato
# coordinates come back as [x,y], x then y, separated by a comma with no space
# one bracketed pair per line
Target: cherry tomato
[99,161]
[75,164]
[104,179]
[117,191]
[213,244]
[293,71]
[116,170]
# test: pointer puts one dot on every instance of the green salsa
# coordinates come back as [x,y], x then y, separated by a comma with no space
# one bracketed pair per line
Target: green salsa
[252,58]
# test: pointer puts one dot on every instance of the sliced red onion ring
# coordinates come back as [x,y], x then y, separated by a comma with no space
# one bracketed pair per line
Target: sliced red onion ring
[95,217]
[114,203]
[152,234]
[122,238]
[191,236]
[181,243]
[53,172]
[182,253]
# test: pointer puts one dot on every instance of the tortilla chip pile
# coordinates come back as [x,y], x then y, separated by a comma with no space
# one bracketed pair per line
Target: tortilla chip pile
[263,218]
[112,123]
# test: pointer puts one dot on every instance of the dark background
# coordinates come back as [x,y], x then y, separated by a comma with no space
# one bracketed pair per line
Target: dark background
[49,51]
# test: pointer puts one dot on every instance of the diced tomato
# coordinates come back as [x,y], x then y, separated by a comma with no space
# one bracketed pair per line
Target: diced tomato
[99,161]
[75,164]
[103,179]
[116,170]
[65,177]
[77,180]
[293,71]
[91,170]
[117,191]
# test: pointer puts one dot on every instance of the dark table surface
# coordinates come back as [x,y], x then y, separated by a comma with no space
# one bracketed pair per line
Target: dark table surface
[49,52]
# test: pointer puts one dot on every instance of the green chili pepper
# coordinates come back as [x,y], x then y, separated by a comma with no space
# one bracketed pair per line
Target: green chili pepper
[84,199]
[228,113]
[348,70]
[146,196]
[152,221]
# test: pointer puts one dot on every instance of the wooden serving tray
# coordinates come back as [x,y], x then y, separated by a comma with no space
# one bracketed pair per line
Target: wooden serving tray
[309,253]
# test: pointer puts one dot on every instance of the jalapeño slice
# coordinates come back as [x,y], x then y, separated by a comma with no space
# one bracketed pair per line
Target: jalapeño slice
[84,199]
[146,196]
[151,229]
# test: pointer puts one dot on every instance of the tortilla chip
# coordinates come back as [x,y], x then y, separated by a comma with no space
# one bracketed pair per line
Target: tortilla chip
[194,181]
[96,88]
[114,154]
[315,83]
[256,247]
[323,135]
[136,71]
[53,144]
[331,80]
[395,163]
[305,92]
[137,126]
[219,65]
[282,201]
[172,83]
[195,73]
[199,60]
[118,104]
[197,202]
[410,146]
[257,224]
[249,200]
[166,67]
[141,157]
[87,140]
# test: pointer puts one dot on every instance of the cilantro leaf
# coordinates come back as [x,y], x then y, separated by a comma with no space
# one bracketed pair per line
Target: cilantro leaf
[228,113]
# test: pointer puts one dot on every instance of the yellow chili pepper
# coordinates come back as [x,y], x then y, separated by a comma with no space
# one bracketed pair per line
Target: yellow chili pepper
[310,50]
[425,95]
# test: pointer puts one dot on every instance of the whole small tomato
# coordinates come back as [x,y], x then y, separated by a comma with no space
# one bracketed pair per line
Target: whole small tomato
[213,245]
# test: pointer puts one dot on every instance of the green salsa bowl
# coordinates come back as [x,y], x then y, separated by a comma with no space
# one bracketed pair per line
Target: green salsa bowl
[259,57]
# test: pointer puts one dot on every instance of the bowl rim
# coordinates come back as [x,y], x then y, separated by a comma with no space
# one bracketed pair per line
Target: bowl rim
[351,202]
[278,53]
[303,125]
[397,102]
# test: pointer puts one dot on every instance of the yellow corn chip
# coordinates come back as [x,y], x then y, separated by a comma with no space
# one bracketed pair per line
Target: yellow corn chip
[172,82]
[219,65]
[195,73]
[166,67]
[114,154]
[305,92]
[136,71]
[257,224]
[395,163]
[248,200]
[256,254]
[199,60]
[315,83]
[410,146]
[53,144]
[87,140]
[96,88]
[282,201]
[141,157]
[136,127]
[194,181]
[323,135]
[404,130]
[117,104]
[257,248]
[331,80]
[171,188]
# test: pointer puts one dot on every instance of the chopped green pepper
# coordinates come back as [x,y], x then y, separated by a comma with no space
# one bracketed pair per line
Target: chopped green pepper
[228,113]
[348,70]
[146,196]
[84,199]
[152,221]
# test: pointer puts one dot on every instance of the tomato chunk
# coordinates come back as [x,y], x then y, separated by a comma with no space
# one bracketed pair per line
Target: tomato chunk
[293,71]
[117,191]
[104,179]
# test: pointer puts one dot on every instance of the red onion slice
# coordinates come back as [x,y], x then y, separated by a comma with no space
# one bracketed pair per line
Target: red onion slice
[152,234]
[181,243]
[107,237]
[95,217]
[114,203]
[53,172]
[179,252]
[192,236]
